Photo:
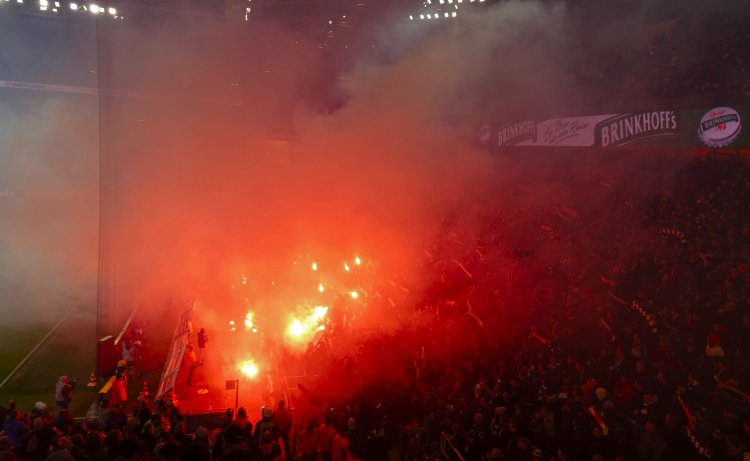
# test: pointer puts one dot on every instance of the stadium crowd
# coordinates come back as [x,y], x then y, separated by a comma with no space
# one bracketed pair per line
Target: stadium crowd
[614,328]
[575,314]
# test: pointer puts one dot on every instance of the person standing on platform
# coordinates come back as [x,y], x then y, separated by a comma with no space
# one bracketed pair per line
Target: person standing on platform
[64,391]
[202,339]
[129,355]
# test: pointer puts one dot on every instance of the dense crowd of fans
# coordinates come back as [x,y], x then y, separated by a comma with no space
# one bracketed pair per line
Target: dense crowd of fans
[545,342]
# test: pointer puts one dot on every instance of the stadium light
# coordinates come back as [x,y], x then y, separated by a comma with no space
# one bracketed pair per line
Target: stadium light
[453,14]
[112,11]
[43,3]
[94,8]
[74,6]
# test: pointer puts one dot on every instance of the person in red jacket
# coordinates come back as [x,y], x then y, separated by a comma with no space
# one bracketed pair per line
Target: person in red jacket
[118,392]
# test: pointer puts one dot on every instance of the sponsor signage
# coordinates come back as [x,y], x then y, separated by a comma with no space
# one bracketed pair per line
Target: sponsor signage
[717,127]
[625,129]
[513,133]
[566,131]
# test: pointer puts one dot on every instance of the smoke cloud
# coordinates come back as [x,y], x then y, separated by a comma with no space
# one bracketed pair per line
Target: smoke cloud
[201,200]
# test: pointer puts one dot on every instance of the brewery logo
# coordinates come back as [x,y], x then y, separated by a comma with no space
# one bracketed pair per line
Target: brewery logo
[719,127]
[630,128]
[513,133]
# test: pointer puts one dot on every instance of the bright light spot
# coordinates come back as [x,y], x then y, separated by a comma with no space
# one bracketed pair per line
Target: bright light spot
[249,369]
[319,312]
[346,266]
[74,6]
[296,328]
[321,288]
[446,15]
[421,16]
[43,3]
[249,321]
[94,8]
[358,261]
[255,330]
[57,4]
[314,266]
[233,329]
[19,1]
[354,294]
[322,328]
[112,11]
[411,18]
[453,14]
[231,322]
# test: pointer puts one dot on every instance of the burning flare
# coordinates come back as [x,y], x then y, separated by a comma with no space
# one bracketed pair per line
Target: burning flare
[312,322]
[248,368]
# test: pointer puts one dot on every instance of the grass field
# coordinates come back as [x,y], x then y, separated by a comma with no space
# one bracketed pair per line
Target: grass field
[70,350]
